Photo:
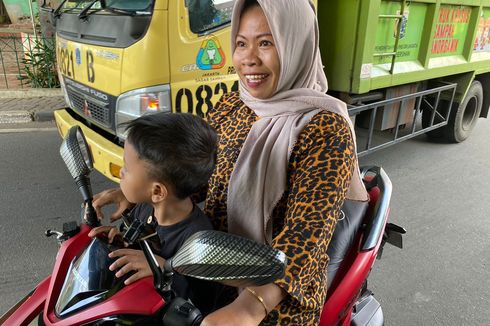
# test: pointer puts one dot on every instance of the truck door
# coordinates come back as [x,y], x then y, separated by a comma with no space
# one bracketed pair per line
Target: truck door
[201,66]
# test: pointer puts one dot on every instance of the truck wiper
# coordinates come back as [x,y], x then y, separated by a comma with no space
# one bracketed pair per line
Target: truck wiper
[114,10]
[57,11]
[127,12]
[83,14]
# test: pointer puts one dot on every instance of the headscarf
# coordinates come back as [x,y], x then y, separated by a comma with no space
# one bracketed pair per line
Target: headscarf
[259,178]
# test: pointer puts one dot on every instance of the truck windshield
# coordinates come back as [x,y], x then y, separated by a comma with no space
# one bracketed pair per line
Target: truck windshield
[131,5]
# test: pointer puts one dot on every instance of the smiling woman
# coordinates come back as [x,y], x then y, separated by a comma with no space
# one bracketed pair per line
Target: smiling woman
[286,161]
[255,57]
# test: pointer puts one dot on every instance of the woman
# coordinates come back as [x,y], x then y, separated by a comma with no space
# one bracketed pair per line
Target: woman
[286,160]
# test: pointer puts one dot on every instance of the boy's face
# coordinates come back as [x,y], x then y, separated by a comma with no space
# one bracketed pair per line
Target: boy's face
[135,182]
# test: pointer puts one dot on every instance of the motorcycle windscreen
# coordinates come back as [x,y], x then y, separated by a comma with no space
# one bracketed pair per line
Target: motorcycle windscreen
[88,280]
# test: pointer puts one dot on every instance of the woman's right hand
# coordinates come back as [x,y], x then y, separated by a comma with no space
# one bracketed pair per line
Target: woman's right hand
[111,196]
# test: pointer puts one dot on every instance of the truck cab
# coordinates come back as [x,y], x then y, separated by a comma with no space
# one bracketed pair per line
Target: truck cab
[120,59]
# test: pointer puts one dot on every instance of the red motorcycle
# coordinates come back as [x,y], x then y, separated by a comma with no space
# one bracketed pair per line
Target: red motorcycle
[83,291]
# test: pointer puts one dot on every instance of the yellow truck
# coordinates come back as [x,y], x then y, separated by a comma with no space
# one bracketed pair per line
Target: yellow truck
[404,67]
[121,59]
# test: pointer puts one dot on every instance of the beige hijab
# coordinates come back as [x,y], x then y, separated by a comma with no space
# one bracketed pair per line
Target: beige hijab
[259,178]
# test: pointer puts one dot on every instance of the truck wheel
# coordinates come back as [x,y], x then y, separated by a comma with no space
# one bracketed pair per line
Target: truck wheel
[464,118]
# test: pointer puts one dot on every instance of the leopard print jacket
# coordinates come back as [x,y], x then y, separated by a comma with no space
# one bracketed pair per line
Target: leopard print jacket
[319,173]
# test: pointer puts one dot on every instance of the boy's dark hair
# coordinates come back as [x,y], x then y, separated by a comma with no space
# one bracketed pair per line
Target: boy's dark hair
[179,147]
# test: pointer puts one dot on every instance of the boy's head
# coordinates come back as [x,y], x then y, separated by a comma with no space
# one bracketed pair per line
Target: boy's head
[174,151]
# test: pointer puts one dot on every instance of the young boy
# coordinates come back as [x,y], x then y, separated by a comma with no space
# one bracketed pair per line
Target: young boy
[167,158]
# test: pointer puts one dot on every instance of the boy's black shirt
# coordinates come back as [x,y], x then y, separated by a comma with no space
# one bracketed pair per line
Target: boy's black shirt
[172,237]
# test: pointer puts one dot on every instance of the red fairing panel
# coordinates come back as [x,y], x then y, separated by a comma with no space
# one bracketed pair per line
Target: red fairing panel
[338,308]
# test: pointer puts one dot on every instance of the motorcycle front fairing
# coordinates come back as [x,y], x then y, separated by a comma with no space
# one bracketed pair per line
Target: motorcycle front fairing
[88,280]
[70,299]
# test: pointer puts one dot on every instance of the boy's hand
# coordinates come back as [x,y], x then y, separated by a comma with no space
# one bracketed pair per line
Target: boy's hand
[111,196]
[132,260]
[112,232]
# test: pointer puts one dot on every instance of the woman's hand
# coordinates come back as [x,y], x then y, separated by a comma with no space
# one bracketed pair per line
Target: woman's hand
[132,260]
[247,310]
[111,196]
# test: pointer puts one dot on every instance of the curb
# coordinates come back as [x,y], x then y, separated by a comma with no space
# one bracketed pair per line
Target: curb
[29,93]
[33,113]
[15,117]
[25,116]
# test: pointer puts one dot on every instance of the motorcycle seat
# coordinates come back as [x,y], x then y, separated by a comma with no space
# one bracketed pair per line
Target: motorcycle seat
[348,225]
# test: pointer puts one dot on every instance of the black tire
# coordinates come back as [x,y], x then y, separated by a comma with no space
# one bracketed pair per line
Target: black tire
[464,118]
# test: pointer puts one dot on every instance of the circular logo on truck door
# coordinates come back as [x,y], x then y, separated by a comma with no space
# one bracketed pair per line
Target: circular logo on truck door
[211,55]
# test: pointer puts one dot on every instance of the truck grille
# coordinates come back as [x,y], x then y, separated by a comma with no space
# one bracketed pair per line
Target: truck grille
[93,110]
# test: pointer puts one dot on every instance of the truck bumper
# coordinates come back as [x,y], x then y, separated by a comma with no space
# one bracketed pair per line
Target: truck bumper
[108,157]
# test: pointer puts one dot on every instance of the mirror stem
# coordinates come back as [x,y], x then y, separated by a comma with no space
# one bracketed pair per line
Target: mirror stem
[91,215]
[162,281]
[83,183]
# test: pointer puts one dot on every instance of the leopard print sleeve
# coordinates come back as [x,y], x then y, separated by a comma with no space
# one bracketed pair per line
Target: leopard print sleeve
[213,118]
[220,110]
[320,170]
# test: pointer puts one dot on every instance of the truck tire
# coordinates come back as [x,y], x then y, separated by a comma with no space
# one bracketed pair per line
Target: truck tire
[464,118]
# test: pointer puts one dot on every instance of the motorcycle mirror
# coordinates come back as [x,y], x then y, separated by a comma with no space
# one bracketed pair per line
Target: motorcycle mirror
[75,152]
[228,259]
[78,159]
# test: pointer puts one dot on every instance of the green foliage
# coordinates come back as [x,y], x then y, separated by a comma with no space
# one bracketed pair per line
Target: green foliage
[40,62]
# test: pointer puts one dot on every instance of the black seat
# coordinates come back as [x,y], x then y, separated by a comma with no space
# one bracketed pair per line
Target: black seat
[348,225]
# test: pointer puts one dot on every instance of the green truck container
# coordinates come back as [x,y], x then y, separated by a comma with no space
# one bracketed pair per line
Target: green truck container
[411,67]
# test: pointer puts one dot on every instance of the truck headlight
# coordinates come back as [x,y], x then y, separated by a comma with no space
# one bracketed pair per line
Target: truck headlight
[134,104]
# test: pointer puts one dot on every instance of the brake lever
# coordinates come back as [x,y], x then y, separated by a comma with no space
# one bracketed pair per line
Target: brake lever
[49,233]
[70,229]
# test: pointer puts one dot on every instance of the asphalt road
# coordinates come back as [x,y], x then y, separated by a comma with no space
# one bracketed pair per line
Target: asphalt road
[440,196]
[37,193]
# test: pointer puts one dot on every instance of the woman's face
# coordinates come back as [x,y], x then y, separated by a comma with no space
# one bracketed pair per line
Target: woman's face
[255,58]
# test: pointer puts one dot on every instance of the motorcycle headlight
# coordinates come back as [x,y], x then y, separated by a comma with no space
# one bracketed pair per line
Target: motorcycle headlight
[134,104]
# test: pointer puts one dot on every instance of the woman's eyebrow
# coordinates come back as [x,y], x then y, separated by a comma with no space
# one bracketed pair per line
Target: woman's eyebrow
[263,35]
[256,36]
